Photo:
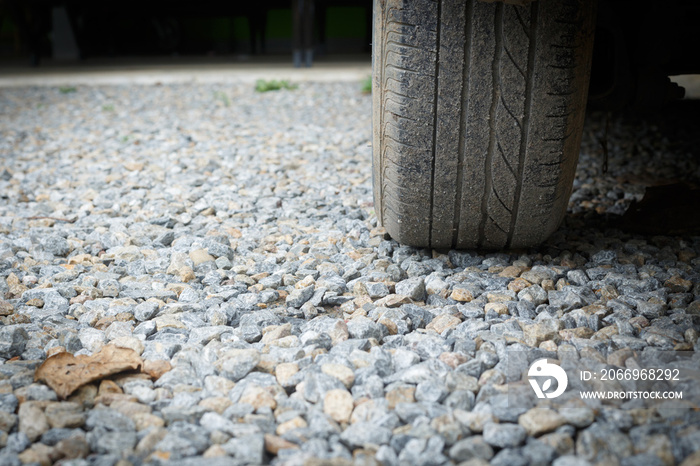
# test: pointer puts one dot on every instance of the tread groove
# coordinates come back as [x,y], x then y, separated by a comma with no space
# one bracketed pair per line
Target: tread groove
[435,121]
[529,83]
[488,160]
[464,104]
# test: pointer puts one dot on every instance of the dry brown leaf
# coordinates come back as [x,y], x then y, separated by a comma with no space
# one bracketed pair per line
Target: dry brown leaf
[65,373]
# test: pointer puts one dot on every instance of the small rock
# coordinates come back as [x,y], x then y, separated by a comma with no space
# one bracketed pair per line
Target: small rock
[462,295]
[340,372]
[402,394]
[275,332]
[677,284]
[542,331]
[258,397]
[504,435]
[499,308]
[64,415]
[375,290]
[32,420]
[6,308]
[73,447]
[13,341]
[273,444]
[471,448]
[338,404]
[37,454]
[299,296]
[294,423]
[538,421]
[364,434]
[443,322]
[284,373]
[413,288]
[56,245]
[237,363]
[200,256]
[578,332]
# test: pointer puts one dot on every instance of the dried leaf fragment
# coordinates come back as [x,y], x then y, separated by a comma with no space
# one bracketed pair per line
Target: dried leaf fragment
[65,373]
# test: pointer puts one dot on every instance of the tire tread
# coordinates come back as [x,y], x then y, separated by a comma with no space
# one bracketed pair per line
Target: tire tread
[494,168]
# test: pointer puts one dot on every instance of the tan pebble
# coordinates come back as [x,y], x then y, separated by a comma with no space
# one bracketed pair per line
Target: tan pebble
[518,285]
[55,350]
[146,421]
[403,394]
[338,405]
[452,359]
[392,300]
[133,166]
[547,285]
[578,332]
[85,395]
[390,325]
[218,404]
[340,372]
[285,371]
[512,271]
[214,451]
[538,421]
[258,397]
[496,297]
[130,343]
[443,322]
[218,384]
[186,274]
[108,398]
[306,281]
[295,423]
[498,308]
[275,332]
[72,448]
[150,440]
[168,321]
[32,420]
[200,256]
[38,454]
[6,308]
[492,376]
[273,444]
[677,284]
[65,415]
[155,368]
[549,345]
[462,295]
[129,408]
[604,333]
[108,386]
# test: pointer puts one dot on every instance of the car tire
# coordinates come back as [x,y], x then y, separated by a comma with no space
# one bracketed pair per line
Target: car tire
[478,112]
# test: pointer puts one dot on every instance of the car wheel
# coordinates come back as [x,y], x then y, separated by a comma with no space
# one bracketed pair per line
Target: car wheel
[478,112]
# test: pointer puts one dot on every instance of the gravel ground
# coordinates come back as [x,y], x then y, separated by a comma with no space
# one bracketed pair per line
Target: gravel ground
[232,234]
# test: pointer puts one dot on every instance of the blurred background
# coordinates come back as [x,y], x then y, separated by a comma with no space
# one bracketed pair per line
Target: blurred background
[60,33]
